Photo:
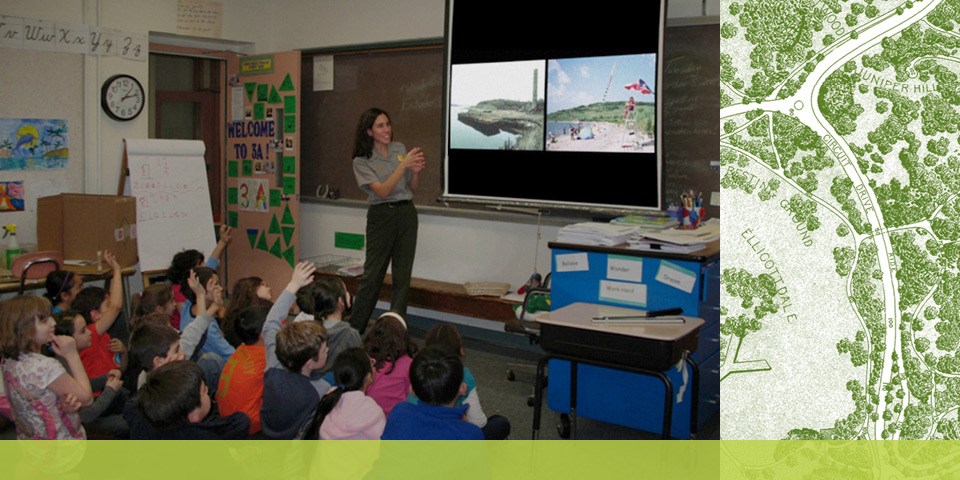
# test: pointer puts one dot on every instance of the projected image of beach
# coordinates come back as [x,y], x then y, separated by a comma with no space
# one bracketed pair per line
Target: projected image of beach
[602,104]
[497,106]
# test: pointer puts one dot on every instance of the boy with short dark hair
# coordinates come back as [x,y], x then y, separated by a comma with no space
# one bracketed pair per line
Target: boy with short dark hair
[436,376]
[174,404]
[241,383]
[294,352]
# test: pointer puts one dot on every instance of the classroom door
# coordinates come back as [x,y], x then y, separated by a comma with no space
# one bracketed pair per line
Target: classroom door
[263,167]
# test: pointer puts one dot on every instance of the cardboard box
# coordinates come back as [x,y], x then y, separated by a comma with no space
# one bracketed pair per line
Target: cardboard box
[81,225]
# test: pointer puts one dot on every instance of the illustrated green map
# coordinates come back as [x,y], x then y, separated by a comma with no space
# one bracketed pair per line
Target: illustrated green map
[840,175]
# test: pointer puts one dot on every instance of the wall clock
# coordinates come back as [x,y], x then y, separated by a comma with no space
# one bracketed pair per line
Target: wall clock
[122,97]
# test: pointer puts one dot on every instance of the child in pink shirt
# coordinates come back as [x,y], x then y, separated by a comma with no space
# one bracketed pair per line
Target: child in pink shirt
[392,351]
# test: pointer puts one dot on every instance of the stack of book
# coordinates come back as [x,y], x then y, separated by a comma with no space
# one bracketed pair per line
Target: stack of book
[592,233]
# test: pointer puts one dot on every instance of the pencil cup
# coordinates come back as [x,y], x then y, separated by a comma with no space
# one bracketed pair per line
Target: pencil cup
[692,216]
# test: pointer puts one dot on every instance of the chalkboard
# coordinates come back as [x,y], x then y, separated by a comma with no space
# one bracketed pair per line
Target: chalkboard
[407,82]
[691,111]
[169,180]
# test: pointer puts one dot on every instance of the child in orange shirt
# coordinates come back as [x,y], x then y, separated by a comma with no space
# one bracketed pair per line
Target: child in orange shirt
[241,382]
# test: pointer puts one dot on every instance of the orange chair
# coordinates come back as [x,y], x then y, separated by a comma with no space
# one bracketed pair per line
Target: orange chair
[35,265]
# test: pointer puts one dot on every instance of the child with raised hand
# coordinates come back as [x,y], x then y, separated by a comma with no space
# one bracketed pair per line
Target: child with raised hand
[389,345]
[325,299]
[213,297]
[43,395]
[174,404]
[496,427]
[62,286]
[187,260]
[345,412]
[248,291]
[294,352]
[100,311]
[436,377]
[105,412]
[241,382]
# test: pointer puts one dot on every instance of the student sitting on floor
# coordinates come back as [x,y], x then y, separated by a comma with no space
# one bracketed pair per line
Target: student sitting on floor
[100,311]
[43,395]
[496,427]
[294,352]
[241,383]
[105,414]
[389,345]
[174,404]
[346,413]
[62,287]
[325,299]
[187,260]
[155,343]
[156,298]
[247,292]
[436,376]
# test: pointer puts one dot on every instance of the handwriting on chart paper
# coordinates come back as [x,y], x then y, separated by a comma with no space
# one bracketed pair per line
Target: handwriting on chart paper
[199,17]
[160,195]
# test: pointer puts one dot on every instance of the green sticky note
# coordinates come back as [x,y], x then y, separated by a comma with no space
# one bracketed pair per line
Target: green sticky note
[274,96]
[247,168]
[275,249]
[287,85]
[274,225]
[250,87]
[232,169]
[289,185]
[290,165]
[233,219]
[287,234]
[289,123]
[232,195]
[350,241]
[290,104]
[252,236]
[262,242]
[263,92]
[259,111]
[289,256]
[287,216]
[274,197]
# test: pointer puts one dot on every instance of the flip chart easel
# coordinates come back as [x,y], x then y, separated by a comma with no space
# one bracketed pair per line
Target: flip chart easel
[169,180]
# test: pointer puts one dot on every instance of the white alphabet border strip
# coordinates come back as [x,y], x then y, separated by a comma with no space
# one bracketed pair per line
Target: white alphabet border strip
[30,33]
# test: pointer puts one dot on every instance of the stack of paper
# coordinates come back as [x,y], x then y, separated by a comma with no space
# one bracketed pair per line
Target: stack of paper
[592,233]
[677,240]
[646,222]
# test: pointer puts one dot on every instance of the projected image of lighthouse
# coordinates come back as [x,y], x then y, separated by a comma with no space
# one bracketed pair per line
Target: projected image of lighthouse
[497,106]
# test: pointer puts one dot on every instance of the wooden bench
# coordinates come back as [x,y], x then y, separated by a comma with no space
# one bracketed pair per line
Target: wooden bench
[448,298]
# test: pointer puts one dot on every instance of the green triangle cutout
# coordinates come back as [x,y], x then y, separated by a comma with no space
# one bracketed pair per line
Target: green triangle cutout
[252,236]
[275,249]
[288,256]
[274,225]
[274,96]
[250,88]
[287,85]
[287,217]
[262,243]
[287,234]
